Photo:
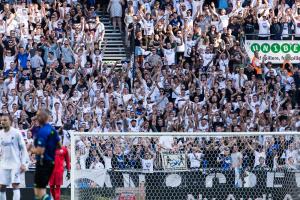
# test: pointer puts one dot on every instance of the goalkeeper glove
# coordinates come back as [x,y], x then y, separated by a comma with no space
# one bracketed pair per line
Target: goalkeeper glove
[68,175]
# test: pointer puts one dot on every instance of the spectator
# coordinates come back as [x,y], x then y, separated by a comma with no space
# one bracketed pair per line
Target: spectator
[115,9]
[262,164]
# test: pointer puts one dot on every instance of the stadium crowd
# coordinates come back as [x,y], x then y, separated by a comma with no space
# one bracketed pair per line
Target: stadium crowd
[189,72]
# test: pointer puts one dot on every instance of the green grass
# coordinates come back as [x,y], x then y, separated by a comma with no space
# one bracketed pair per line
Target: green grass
[65,197]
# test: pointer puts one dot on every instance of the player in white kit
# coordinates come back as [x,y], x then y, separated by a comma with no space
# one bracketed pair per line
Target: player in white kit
[13,156]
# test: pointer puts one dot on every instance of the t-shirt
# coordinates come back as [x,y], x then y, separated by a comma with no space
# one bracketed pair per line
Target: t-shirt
[236,157]
[149,27]
[13,151]
[194,159]
[226,162]
[188,47]
[297,28]
[7,61]
[224,22]
[47,137]
[207,57]
[107,162]
[285,30]
[264,28]
[97,165]
[257,156]
[170,56]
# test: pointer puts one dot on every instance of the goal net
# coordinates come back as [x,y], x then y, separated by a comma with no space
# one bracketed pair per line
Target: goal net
[185,166]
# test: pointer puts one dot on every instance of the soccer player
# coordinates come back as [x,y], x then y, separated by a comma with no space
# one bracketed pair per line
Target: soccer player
[56,180]
[13,156]
[46,142]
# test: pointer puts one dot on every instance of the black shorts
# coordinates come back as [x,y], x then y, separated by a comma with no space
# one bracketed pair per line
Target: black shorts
[43,173]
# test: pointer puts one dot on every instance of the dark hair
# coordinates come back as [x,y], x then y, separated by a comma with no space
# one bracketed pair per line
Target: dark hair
[7,115]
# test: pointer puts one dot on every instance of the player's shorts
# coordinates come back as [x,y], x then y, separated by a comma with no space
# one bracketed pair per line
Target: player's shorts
[9,176]
[43,173]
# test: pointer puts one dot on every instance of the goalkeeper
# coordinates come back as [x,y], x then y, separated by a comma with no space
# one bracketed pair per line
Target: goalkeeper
[56,180]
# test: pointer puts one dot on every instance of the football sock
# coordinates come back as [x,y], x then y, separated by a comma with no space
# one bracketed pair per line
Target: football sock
[2,196]
[57,192]
[52,191]
[16,195]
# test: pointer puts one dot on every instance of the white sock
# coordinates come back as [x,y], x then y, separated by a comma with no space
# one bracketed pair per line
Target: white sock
[2,195]
[17,194]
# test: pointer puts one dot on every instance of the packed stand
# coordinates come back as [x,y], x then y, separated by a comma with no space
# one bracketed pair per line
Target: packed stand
[48,54]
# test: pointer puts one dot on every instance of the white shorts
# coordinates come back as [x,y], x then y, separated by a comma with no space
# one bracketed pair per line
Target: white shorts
[9,176]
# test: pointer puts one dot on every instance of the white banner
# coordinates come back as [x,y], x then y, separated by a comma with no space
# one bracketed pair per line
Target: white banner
[174,161]
[275,50]
[100,177]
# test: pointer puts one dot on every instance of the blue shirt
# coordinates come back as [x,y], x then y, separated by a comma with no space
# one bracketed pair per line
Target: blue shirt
[121,161]
[226,162]
[47,137]
[23,59]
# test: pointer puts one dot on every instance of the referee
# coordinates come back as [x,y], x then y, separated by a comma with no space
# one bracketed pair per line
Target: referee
[45,143]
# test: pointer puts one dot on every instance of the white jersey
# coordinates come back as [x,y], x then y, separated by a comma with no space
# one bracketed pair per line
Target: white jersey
[195,159]
[264,28]
[13,151]
[297,28]
[257,156]
[188,47]
[170,56]
[149,27]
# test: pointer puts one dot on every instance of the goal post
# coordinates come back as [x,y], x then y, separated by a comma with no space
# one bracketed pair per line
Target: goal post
[185,165]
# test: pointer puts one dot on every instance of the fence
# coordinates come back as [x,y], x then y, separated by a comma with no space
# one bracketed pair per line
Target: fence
[177,181]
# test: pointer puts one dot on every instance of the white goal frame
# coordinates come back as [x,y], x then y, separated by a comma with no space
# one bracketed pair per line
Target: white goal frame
[73,134]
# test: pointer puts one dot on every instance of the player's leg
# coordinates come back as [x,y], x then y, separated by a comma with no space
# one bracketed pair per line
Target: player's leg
[2,192]
[41,179]
[52,191]
[5,179]
[16,179]
[16,192]
[52,185]
[40,194]
[57,192]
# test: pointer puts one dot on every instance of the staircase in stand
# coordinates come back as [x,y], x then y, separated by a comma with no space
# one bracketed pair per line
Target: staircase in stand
[115,46]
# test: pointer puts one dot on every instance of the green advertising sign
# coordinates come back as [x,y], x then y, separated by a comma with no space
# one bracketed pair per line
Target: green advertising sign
[274,50]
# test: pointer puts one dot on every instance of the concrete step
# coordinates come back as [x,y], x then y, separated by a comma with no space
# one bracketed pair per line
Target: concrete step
[106,22]
[120,45]
[105,19]
[113,40]
[119,35]
[114,34]
[113,48]
[113,58]
[111,30]
[114,54]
